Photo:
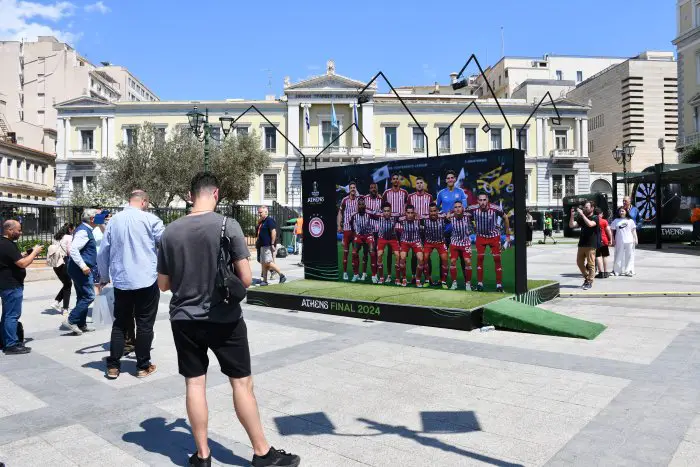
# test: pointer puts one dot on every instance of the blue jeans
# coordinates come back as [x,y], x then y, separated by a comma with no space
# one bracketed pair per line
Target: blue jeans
[11,311]
[84,292]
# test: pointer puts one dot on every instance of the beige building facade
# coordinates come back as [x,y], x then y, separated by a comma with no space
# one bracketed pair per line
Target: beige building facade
[34,76]
[26,175]
[557,155]
[634,102]
[688,62]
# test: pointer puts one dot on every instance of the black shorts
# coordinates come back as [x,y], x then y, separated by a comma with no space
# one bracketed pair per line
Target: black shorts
[547,232]
[228,341]
[602,252]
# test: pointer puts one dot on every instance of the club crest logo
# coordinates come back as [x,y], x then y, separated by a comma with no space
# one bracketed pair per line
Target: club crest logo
[316,227]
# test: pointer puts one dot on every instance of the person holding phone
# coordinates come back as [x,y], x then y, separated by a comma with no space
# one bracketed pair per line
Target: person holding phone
[12,273]
[589,240]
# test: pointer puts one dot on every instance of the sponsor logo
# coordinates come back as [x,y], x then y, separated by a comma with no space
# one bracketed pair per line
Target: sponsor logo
[316,227]
[316,304]
[315,197]
[672,232]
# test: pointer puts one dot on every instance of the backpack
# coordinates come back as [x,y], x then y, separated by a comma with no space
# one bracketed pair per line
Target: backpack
[54,255]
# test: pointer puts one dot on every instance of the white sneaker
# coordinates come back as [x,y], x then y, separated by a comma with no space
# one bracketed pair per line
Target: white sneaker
[355,278]
[56,306]
[453,286]
[468,287]
[364,276]
[73,327]
[345,276]
[374,279]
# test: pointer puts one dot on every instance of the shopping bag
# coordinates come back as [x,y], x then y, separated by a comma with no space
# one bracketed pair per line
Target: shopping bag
[103,308]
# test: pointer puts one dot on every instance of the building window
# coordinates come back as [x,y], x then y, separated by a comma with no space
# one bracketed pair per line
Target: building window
[160,134]
[9,168]
[77,183]
[590,145]
[241,130]
[560,139]
[496,138]
[329,133]
[522,139]
[270,184]
[40,117]
[470,140]
[390,138]
[418,140]
[131,136]
[43,175]
[90,181]
[443,140]
[560,75]
[214,132]
[270,139]
[569,185]
[579,76]
[86,140]
[556,186]
[19,171]
[527,186]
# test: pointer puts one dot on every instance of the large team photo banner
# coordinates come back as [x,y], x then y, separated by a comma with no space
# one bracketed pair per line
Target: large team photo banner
[451,222]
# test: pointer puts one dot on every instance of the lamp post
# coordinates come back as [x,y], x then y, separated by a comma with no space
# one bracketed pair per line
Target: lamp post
[200,126]
[623,155]
[662,146]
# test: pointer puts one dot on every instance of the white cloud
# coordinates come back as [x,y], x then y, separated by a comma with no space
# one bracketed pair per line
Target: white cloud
[98,7]
[27,20]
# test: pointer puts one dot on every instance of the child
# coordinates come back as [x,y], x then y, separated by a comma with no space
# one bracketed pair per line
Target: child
[625,238]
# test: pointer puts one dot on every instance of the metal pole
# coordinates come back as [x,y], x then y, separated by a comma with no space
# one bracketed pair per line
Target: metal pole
[624,173]
[663,164]
[206,141]
[659,207]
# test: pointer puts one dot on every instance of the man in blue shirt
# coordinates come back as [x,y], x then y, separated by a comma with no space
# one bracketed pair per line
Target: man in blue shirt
[632,212]
[128,255]
[447,196]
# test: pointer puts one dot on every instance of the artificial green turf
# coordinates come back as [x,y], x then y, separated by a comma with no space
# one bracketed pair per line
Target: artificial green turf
[507,263]
[509,314]
[533,284]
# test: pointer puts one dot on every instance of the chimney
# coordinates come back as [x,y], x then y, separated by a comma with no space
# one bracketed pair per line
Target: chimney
[437,88]
[453,77]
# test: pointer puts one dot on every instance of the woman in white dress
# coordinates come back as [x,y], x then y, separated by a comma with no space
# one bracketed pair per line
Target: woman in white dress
[624,241]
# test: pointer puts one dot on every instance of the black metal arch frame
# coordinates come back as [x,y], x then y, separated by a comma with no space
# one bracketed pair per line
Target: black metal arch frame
[365,144]
[486,128]
[361,99]
[555,121]
[493,94]
[253,107]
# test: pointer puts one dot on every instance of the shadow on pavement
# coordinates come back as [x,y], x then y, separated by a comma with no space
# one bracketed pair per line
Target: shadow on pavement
[317,423]
[178,445]
[97,348]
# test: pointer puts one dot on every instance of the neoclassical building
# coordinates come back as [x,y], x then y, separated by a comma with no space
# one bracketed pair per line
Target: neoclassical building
[557,163]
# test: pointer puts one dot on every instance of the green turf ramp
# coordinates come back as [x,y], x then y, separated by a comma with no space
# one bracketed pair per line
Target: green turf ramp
[516,316]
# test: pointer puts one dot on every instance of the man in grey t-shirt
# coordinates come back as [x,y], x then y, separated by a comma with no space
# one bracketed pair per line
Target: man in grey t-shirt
[201,320]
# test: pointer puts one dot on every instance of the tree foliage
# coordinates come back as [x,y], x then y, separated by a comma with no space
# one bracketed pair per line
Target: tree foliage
[690,155]
[164,166]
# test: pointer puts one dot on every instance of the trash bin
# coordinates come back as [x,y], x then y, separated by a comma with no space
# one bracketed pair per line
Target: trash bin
[287,235]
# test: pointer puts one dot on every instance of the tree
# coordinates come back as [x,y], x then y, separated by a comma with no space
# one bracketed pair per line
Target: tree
[690,155]
[93,196]
[164,167]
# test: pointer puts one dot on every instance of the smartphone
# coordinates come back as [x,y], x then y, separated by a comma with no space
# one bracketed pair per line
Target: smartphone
[29,251]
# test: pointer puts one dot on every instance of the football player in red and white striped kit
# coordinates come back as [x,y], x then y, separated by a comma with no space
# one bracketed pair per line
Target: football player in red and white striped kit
[374,207]
[364,235]
[434,234]
[387,239]
[488,234]
[397,198]
[348,208]
[410,241]
[461,245]
[420,200]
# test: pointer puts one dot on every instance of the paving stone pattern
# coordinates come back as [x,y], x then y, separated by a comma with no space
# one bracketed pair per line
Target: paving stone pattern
[345,392]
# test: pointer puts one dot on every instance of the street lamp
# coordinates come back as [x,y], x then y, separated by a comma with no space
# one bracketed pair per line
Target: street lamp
[199,124]
[623,155]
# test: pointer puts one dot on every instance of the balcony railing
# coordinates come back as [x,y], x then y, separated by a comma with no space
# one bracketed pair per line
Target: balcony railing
[563,154]
[84,155]
[692,139]
[333,150]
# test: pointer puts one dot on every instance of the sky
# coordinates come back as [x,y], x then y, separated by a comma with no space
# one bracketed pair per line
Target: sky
[201,50]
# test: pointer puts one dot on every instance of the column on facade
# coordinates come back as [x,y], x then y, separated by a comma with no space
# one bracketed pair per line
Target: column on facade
[584,137]
[103,137]
[354,128]
[545,136]
[368,123]
[67,134]
[538,134]
[110,135]
[293,127]
[60,139]
[577,136]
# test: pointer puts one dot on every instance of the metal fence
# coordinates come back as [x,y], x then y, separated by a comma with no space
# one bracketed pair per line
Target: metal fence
[40,222]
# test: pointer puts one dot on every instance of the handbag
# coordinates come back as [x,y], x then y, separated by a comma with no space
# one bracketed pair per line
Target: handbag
[228,285]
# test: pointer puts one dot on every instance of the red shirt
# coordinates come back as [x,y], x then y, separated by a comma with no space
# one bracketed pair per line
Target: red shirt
[421,203]
[603,236]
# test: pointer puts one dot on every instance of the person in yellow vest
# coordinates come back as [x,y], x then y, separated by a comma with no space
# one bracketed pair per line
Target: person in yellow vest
[299,237]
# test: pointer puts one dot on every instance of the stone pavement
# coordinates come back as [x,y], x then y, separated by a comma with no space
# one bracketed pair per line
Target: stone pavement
[344,392]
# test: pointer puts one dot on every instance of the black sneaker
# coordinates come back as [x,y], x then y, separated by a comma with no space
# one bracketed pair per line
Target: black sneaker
[196,461]
[283,278]
[479,287]
[276,457]
[587,286]
[599,275]
[18,349]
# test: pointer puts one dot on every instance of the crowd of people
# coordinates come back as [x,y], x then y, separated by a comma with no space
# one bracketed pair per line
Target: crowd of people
[598,235]
[133,253]
[400,223]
